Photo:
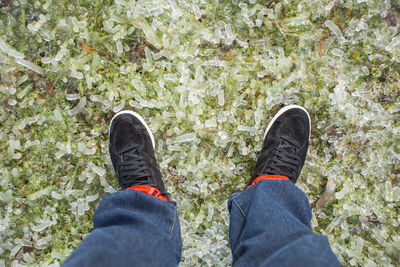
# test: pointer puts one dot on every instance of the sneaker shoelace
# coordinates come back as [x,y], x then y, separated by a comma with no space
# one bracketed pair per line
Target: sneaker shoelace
[133,169]
[285,160]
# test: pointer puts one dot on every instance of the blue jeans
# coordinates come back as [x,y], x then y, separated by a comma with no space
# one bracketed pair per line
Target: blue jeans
[269,226]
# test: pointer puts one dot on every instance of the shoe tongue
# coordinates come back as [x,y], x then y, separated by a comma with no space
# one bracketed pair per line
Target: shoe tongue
[288,145]
[141,181]
[141,175]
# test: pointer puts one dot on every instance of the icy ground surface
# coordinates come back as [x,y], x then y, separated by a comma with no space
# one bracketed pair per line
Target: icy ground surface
[207,75]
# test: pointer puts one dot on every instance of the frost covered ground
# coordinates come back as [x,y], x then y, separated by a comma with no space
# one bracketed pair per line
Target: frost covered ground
[207,76]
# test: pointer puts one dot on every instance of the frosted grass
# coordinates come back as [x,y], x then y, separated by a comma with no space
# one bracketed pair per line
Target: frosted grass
[207,77]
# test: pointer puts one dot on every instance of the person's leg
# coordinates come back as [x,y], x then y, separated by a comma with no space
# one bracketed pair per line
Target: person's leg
[270,226]
[270,219]
[137,226]
[131,228]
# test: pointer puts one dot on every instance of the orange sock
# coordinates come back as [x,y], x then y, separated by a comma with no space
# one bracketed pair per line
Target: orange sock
[268,177]
[152,191]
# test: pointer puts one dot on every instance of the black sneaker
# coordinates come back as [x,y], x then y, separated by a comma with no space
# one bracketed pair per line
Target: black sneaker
[285,144]
[132,147]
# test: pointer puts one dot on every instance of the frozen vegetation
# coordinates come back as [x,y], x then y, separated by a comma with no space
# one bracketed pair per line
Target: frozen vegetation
[207,75]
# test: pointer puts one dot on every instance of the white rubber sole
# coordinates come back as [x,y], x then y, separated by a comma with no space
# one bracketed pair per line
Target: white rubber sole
[281,111]
[140,119]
